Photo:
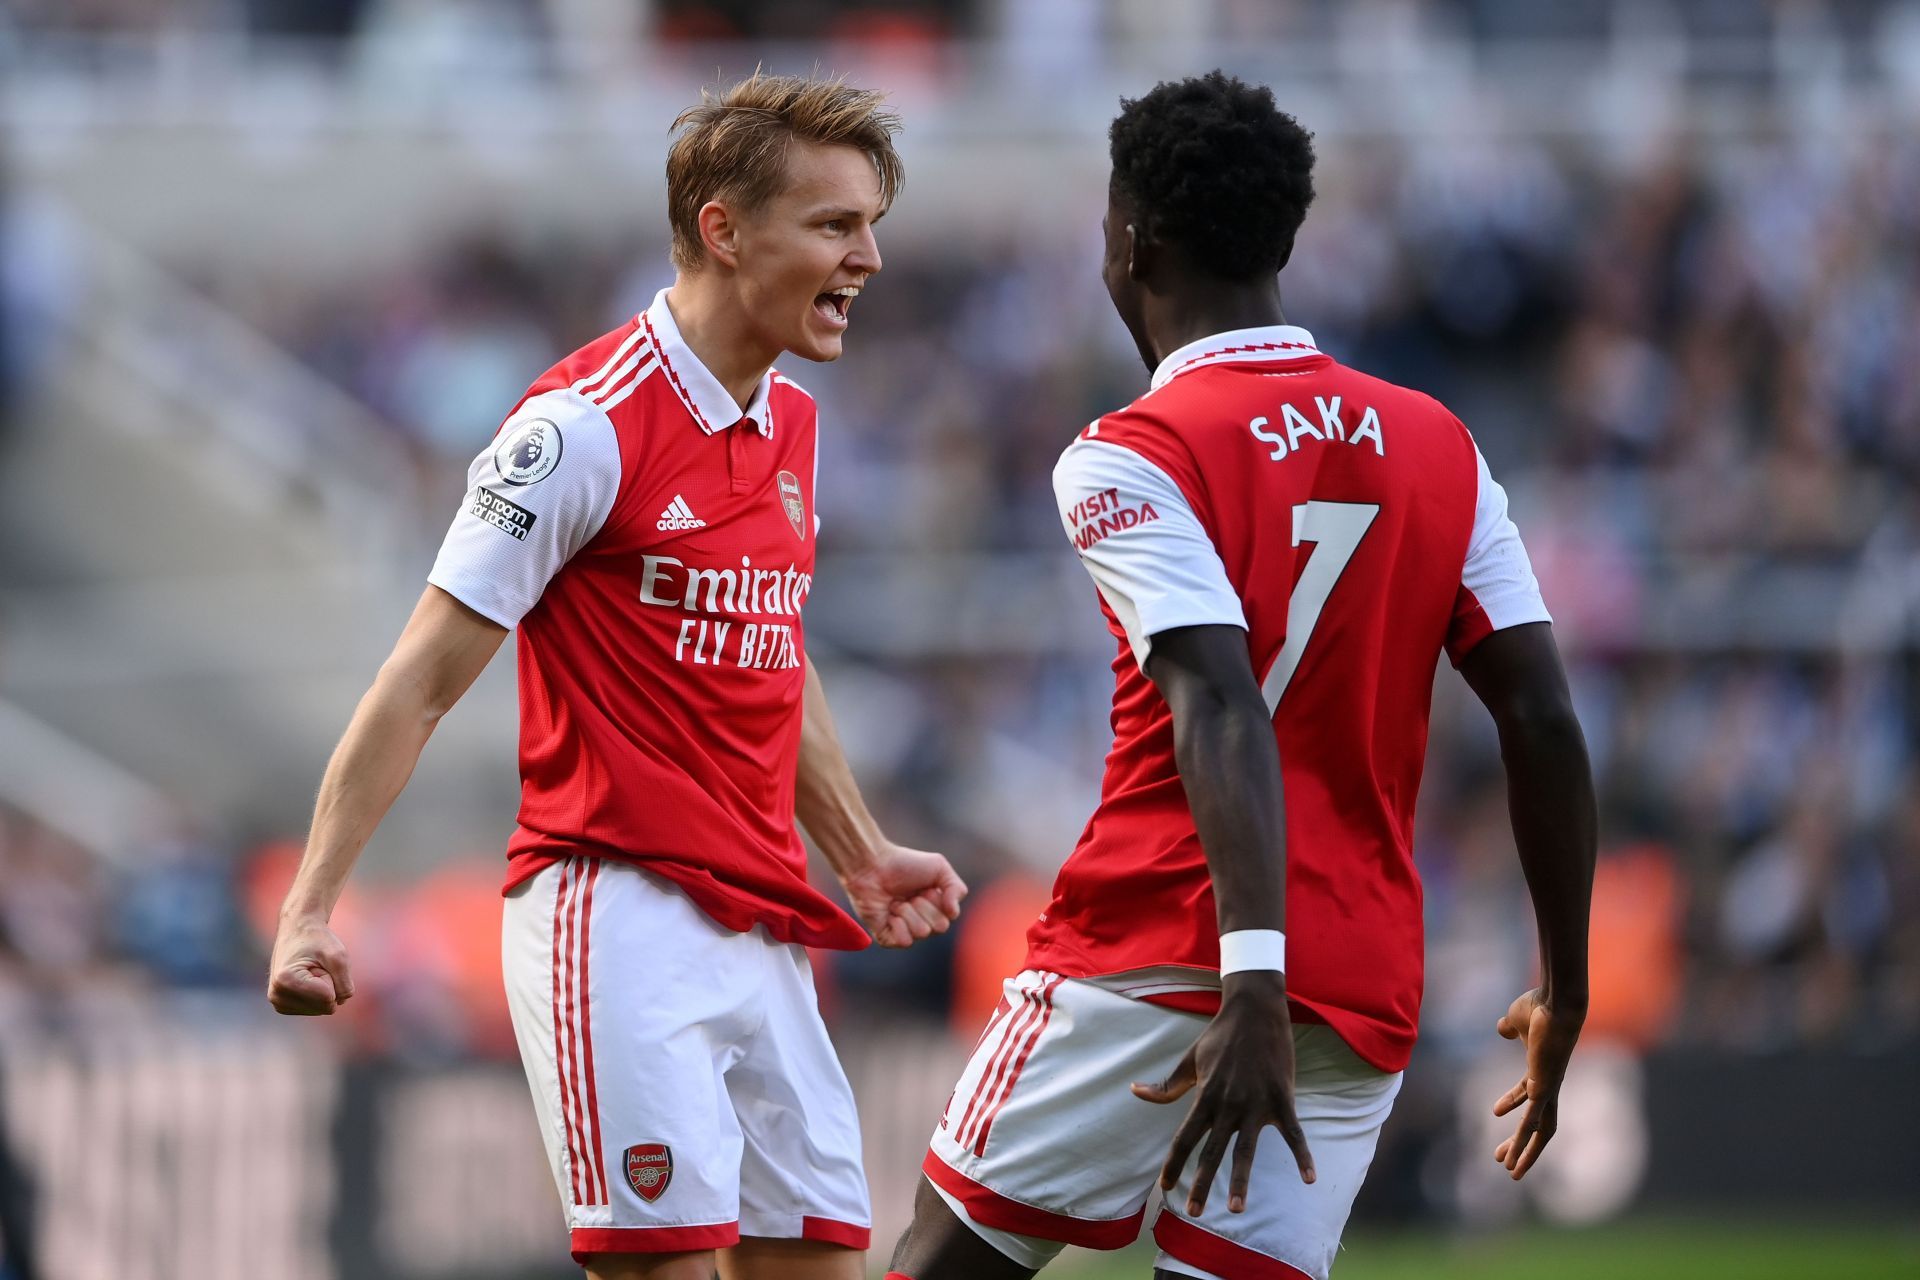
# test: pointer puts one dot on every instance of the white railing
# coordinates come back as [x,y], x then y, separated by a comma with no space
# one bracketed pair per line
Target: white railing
[286,441]
[73,789]
[1412,72]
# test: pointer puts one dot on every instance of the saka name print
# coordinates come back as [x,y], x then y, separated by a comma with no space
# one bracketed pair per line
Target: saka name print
[509,517]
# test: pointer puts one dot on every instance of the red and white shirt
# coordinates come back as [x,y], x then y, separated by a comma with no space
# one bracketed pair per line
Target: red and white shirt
[1351,528]
[654,543]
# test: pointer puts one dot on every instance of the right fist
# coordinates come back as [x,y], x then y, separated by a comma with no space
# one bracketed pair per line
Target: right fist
[308,974]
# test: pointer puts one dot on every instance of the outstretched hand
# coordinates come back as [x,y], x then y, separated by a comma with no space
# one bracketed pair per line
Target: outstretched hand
[1242,1066]
[905,895]
[1549,1035]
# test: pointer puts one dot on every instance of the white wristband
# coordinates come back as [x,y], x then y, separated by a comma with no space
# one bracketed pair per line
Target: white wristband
[1246,949]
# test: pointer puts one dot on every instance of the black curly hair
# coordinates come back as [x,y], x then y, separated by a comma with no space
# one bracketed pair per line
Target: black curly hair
[1212,166]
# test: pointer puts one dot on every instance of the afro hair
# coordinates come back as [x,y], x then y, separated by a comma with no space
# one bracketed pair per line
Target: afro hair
[1213,167]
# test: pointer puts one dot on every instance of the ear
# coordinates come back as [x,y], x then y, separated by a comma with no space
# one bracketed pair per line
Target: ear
[1286,255]
[1140,253]
[719,233]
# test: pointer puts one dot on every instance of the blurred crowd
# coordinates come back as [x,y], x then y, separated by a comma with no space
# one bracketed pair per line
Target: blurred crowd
[538,38]
[1698,372]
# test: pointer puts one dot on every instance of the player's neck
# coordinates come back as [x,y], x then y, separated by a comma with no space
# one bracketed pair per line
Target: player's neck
[1174,320]
[715,329]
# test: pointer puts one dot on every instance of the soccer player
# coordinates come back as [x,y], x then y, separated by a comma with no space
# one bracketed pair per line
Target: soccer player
[646,518]
[1283,548]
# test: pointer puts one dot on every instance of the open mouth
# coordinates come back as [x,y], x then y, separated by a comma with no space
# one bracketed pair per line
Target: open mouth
[832,305]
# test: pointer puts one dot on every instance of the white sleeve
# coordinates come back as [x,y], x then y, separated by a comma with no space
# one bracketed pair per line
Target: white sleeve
[535,496]
[1497,572]
[1153,561]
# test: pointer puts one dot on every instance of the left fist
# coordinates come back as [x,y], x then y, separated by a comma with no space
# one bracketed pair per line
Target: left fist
[905,895]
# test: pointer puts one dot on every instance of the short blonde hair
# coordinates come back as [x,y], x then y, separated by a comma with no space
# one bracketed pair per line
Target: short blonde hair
[733,147]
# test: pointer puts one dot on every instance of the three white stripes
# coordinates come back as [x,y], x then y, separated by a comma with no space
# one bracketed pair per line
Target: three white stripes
[626,369]
[573,1028]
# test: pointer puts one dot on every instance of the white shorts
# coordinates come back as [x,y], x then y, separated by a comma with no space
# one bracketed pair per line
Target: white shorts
[685,1085]
[1043,1145]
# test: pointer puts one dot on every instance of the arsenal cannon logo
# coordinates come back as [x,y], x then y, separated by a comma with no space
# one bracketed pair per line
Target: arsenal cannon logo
[795,505]
[649,1169]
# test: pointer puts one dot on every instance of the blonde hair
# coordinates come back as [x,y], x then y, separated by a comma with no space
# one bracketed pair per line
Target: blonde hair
[734,147]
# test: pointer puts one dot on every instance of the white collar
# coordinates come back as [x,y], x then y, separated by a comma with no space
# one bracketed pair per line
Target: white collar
[1267,342]
[709,402]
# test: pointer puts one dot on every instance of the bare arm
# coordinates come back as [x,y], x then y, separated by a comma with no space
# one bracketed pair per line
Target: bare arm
[901,894]
[1229,763]
[1517,674]
[441,652]
[826,798]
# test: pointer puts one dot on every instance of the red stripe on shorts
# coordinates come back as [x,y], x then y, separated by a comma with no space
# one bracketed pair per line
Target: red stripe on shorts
[1198,1247]
[1026,1051]
[989,1080]
[585,1169]
[848,1235]
[1000,1011]
[991,1209]
[596,1159]
[587,1241]
[561,956]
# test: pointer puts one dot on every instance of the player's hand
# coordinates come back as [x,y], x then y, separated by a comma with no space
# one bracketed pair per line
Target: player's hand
[308,974]
[1243,1068]
[905,895]
[1549,1034]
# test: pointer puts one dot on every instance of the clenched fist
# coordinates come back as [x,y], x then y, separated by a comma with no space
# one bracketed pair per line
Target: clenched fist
[308,974]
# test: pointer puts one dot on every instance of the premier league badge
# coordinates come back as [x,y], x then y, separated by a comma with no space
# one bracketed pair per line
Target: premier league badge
[796,506]
[528,452]
[649,1169]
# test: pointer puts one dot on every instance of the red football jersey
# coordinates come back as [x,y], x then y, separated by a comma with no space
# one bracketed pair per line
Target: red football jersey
[654,542]
[1350,526]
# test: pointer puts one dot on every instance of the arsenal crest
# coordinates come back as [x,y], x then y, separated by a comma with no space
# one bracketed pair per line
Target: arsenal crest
[795,505]
[649,1169]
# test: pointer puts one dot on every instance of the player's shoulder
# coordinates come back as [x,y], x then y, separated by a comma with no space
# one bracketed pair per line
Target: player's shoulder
[786,386]
[594,388]
[1383,394]
[1150,423]
[790,400]
[1121,450]
[597,367]
[571,410]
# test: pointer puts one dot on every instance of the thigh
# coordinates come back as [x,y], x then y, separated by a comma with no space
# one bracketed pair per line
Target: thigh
[802,1177]
[651,1266]
[940,1244]
[626,1001]
[1043,1137]
[761,1258]
[1289,1228]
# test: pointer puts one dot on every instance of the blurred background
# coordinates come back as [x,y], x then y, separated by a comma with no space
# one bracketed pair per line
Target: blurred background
[272,270]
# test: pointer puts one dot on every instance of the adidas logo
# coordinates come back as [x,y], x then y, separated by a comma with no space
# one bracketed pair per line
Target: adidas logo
[679,515]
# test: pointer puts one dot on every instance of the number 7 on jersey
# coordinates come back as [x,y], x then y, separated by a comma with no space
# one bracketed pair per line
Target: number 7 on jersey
[1335,529]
